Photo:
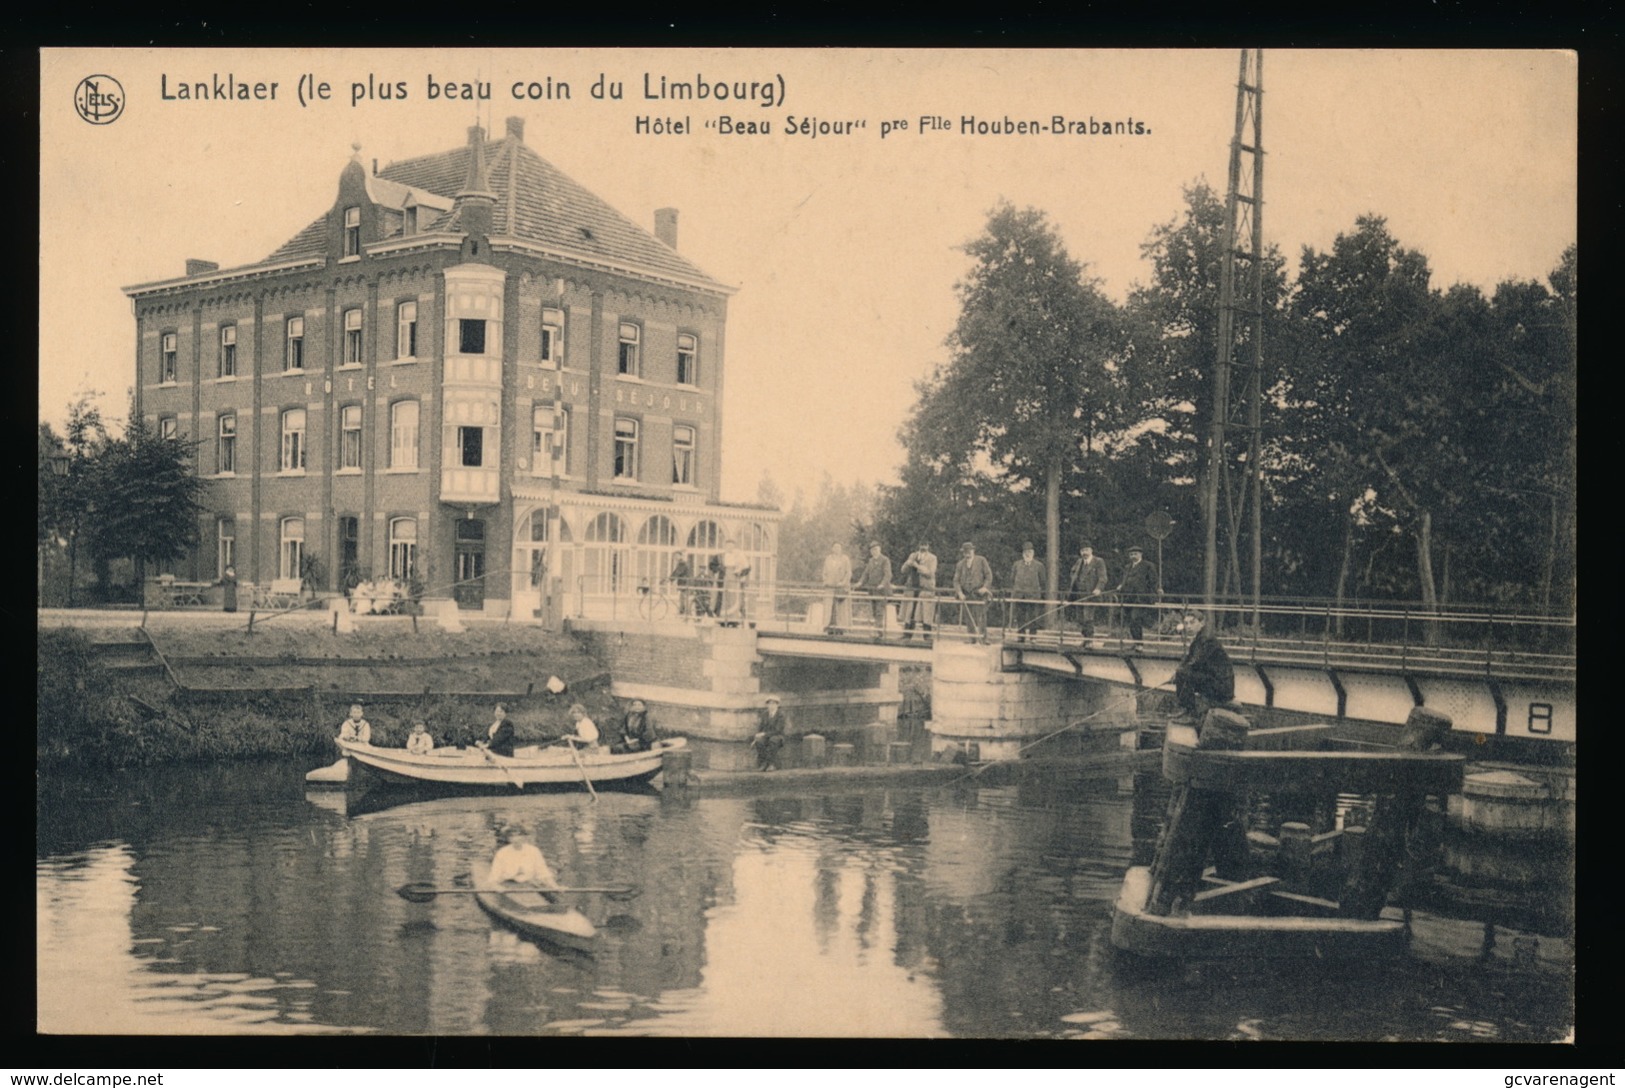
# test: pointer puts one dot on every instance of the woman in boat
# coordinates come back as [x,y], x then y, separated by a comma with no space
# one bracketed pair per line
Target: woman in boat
[355,727]
[586,733]
[499,738]
[419,742]
[520,862]
[636,734]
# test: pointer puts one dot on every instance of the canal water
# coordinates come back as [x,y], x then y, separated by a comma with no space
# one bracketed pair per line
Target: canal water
[224,900]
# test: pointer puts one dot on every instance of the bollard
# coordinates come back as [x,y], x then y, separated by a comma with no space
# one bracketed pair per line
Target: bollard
[812,750]
[898,751]
[842,755]
[1200,821]
[675,765]
[1293,857]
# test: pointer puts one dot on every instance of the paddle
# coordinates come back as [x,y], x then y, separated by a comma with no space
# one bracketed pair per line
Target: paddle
[489,758]
[580,766]
[424,893]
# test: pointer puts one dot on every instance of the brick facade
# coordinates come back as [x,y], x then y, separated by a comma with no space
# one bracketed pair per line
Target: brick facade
[490,245]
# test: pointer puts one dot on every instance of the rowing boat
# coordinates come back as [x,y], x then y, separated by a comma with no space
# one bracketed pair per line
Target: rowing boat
[528,767]
[538,915]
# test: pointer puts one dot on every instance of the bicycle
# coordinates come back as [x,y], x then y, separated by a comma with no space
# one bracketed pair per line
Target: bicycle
[653,602]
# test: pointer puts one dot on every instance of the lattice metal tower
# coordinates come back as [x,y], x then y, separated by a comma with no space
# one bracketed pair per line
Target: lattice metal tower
[1239,352]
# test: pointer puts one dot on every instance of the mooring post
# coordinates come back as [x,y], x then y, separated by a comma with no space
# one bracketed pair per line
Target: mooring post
[1197,823]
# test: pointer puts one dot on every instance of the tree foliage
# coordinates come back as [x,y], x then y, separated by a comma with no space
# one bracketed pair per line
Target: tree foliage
[134,497]
[1418,443]
[1031,381]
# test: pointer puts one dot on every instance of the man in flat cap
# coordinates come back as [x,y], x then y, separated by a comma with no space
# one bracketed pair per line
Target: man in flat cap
[1138,590]
[973,585]
[1027,587]
[769,739]
[919,574]
[875,583]
[1084,588]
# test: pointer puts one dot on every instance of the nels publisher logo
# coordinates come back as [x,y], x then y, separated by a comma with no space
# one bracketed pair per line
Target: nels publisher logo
[99,99]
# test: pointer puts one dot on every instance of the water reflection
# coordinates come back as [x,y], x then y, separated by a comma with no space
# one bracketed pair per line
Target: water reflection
[221,900]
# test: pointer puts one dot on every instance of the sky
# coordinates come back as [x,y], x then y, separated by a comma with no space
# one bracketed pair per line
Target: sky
[843,246]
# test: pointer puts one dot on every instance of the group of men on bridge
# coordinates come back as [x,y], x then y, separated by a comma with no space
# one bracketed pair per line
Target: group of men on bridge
[1085,590]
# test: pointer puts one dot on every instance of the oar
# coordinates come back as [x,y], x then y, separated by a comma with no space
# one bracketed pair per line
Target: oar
[582,767]
[424,893]
[486,752]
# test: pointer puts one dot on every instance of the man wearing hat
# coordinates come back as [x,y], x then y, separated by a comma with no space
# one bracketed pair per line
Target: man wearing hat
[1084,587]
[973,585]
[1138,590]
[1026,592]
[919,573]
[769,739]
[875,583]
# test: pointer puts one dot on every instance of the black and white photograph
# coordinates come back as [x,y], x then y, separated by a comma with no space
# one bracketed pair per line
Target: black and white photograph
[806,543]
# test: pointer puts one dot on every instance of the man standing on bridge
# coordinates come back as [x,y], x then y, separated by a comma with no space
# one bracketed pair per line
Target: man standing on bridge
[919,572]
[1027,585]
[875,583]
[1084,587]
[1139,590]
[973,585]
[1205,677]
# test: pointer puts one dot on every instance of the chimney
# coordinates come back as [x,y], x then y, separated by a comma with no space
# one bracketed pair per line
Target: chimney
[516,128]
[195,267]
[666,226]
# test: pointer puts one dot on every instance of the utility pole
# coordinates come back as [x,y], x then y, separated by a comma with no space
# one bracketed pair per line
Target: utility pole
[1237,404]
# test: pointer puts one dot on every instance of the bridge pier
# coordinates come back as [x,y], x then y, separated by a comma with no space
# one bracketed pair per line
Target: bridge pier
[974,701]
[709,682]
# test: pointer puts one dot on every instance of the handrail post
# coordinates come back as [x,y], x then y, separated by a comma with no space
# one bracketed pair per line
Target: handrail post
[1326,638]
[1405,639]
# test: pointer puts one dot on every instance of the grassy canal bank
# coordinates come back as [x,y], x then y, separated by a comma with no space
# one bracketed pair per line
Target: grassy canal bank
[122,696]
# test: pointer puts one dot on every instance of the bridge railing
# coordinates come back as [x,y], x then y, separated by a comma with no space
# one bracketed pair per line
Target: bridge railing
[1460,639]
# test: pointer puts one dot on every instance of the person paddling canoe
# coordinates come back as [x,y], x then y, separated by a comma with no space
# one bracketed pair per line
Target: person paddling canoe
[520,861]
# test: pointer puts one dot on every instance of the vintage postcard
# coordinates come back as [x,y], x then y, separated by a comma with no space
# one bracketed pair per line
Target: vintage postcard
[847,469]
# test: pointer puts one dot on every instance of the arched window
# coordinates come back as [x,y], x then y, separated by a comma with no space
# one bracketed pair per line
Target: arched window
[657,540]
[403,548]
[606,553]
[292,552]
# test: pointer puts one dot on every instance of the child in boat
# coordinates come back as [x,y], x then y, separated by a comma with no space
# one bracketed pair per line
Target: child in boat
[520,862]
[586,733]
[419,742]
[355,727]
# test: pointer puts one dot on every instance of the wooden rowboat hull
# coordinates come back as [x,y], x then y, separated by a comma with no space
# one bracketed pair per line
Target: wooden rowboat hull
[541,917]
[1244,935]
[527,768]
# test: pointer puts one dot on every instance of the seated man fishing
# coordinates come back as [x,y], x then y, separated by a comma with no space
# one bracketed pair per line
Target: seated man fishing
[636,734]
[1205,678]
[519,861]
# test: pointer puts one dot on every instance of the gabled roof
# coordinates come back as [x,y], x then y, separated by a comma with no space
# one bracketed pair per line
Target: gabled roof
[535,202]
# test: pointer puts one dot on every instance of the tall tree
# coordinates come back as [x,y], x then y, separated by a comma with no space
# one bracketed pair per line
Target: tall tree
[149,499]
[1031,377]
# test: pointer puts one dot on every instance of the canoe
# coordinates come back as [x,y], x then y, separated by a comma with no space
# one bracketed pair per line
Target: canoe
[538,915]
[527,767]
